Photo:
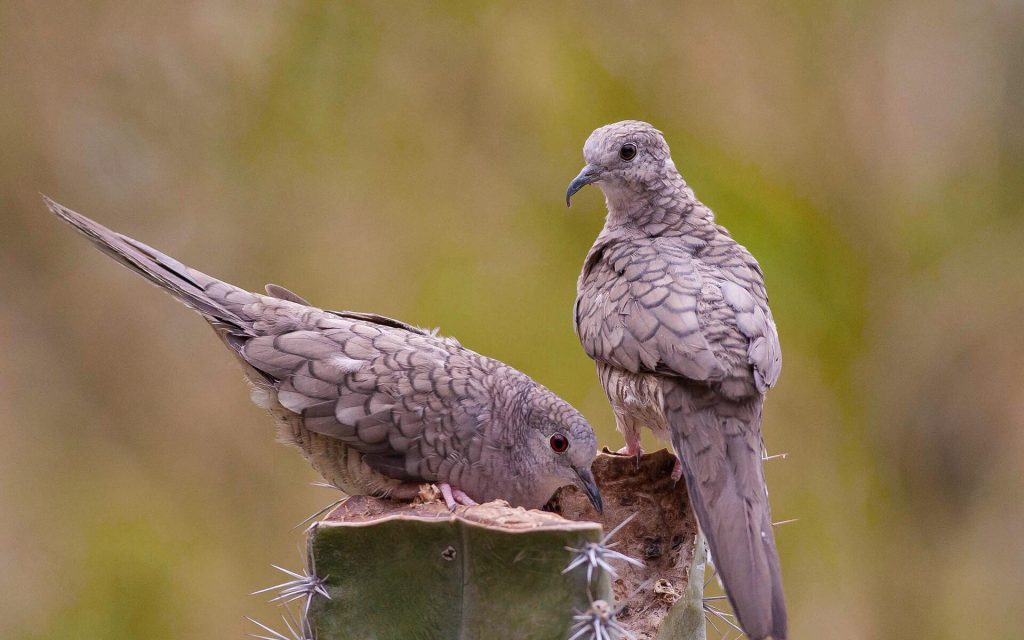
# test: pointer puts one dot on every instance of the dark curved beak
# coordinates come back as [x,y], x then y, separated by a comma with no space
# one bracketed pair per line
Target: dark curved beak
[588,484]
[589,175]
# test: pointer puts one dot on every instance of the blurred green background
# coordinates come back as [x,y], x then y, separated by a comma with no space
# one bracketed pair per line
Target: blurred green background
[411,159]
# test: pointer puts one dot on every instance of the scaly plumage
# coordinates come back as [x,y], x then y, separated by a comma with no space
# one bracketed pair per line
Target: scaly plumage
[378,406]
[675,313]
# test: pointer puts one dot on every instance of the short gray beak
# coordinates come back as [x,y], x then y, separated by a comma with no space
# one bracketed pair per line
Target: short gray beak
[590,486]
[589,175]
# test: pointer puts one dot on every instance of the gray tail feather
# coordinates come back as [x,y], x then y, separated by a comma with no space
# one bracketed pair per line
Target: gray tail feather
[722,464]
[160,269]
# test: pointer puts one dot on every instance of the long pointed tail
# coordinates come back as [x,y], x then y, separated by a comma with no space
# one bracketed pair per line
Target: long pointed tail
[719,444]
[187,285]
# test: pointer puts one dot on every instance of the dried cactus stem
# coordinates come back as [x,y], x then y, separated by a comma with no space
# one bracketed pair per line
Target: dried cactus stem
[686,617]
[662,533]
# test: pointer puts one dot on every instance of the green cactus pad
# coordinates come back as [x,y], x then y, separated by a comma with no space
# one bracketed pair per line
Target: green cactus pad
[417,571]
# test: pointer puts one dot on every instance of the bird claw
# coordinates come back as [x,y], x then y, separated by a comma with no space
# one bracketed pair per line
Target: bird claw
[677,470]
[632,449]
[454,497]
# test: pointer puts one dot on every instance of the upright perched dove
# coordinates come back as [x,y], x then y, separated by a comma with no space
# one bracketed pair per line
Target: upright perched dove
[675,314]
[378,406]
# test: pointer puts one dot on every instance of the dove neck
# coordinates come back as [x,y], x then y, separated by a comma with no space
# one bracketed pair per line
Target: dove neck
[661,206]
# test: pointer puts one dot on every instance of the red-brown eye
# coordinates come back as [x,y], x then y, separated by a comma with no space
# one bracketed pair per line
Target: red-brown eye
[628,151]
[559,443]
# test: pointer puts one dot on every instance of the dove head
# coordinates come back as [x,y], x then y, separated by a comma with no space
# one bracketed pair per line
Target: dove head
[626,159]
[561,447]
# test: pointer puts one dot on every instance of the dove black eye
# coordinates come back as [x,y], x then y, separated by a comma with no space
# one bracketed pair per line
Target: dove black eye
[559,443]
[628,151]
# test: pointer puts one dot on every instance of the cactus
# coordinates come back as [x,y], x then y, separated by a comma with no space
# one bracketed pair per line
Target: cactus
[661,532]
[686,618]
[419,571]
[381,569]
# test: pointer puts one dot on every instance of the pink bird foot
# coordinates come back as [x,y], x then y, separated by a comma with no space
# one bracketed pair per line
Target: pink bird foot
[633,449]
[454,497]
[677,470]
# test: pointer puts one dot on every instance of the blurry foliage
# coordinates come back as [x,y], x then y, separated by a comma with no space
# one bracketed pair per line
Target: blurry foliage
[411,159]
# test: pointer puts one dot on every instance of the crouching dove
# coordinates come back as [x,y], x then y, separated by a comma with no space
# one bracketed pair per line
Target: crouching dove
[675,314]
[375,405]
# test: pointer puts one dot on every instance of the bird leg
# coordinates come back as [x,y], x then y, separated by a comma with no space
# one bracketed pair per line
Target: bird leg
[677,470]
[632,447]
[454,497]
